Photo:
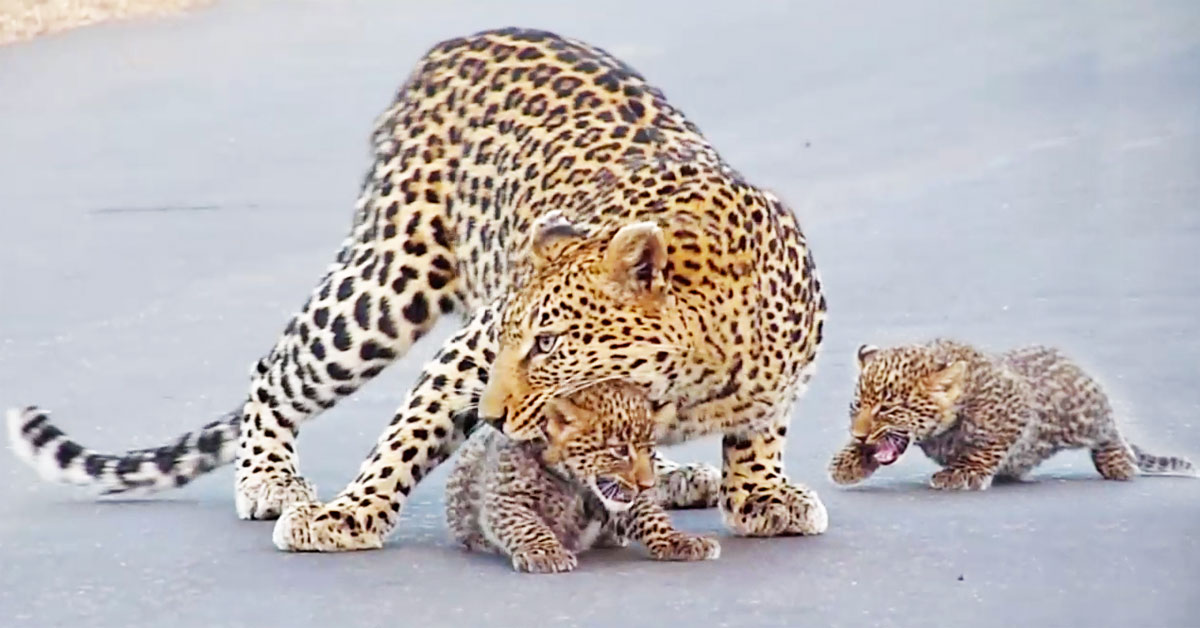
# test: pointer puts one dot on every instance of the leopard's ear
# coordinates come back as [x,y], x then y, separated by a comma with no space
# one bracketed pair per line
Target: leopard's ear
[636,258]
[550,231]
[865,353]
[946,385]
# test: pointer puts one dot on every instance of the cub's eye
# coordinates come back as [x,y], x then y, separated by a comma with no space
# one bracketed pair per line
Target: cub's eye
[544,343]
[620,452]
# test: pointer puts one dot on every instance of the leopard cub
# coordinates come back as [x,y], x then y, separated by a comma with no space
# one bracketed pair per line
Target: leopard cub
[590,482]
[980,416]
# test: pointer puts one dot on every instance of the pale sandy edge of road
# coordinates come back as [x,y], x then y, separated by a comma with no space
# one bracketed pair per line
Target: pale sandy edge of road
[22,20]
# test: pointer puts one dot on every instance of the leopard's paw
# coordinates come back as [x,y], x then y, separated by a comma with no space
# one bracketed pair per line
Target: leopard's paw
[960,480]
[695,485]
[262,496]
[544,560]
[775,510]
[683,546]
[312,527]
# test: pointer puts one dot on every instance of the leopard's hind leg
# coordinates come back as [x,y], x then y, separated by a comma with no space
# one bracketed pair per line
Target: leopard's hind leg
[393,277]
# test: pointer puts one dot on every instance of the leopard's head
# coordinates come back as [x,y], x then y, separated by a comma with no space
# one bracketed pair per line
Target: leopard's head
[903,395]
[603,438]
[592,308]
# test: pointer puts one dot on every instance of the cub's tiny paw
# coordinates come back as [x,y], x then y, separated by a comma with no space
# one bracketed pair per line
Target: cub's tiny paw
[266,497]
[556,560]
[960,480]
[852,465]
[681,546]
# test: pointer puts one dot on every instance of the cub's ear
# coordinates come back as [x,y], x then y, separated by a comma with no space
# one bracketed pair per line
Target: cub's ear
[550,231]
[636,257]
[946,385]
[865,353]
[558,428]
[664,415]
[568,412]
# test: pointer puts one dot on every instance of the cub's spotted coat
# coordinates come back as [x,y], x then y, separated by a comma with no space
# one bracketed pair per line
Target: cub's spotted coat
[982,416]
[586,231]
[541,503]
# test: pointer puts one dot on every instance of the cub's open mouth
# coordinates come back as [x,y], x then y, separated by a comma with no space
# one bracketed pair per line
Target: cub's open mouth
[890,447]
[613,493]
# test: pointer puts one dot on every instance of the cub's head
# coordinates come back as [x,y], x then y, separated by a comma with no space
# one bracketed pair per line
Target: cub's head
[594,308]
[603,438]
[904,394]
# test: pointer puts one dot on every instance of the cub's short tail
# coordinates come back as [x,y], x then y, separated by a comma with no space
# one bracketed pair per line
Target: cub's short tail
[59,459]
[1150,464]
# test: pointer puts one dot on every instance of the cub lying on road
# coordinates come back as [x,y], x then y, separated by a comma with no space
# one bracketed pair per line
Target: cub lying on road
[590,484]
[980,416]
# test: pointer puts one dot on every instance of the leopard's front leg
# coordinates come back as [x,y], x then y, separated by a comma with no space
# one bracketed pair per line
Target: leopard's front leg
[436,417]
[756,497]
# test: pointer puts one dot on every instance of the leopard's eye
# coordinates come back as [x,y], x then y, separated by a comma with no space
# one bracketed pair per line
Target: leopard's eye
[544,343]
[620,452]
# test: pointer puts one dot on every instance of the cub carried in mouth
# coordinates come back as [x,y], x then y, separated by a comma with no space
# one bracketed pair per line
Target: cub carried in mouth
[589,483]
[980,416]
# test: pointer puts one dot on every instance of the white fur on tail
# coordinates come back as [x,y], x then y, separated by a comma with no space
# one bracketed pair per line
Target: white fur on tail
[57,458]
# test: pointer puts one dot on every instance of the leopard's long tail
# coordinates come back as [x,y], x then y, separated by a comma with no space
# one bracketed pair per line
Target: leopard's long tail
[1150,464]
[57,458]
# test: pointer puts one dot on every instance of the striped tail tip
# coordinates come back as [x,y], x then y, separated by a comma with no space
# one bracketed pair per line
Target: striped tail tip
[42,446]
[1150,464]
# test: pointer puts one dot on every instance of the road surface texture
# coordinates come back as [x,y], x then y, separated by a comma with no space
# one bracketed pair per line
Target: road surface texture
[1003,173]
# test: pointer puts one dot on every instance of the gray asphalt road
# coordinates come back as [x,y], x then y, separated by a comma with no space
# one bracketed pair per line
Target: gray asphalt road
[1003,173]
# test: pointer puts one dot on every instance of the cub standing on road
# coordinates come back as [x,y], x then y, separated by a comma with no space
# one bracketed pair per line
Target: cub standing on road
[982,416]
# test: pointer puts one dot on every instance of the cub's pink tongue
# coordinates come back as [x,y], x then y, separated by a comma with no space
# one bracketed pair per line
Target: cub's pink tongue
[885,452]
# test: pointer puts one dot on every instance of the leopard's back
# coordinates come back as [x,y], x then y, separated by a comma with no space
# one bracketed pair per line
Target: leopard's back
[503,127]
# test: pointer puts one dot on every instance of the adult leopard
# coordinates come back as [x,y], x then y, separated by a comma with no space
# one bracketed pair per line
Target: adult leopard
[587,231]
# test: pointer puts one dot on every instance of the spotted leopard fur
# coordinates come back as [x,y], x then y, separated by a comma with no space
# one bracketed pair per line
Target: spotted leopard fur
[536,185]
[980,416]
[590,483]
